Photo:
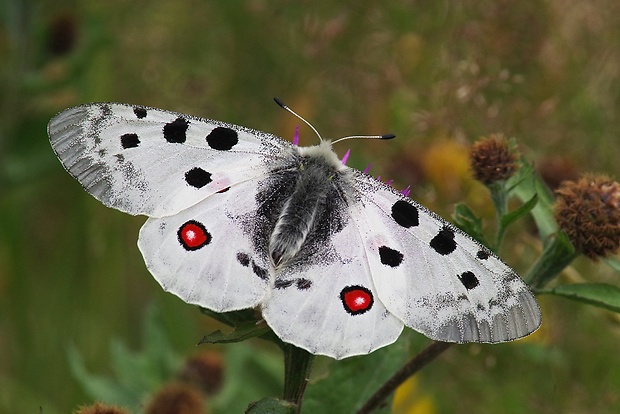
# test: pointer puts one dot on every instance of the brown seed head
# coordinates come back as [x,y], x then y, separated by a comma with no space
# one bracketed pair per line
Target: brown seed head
[493,159]
[205,371]
[178,399]
[99,408]
[588,211]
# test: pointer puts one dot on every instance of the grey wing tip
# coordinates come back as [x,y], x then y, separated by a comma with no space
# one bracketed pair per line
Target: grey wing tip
[67,120]
[512,323]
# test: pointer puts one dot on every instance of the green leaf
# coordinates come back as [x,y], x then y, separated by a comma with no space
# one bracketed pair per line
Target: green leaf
[144,371]
[602,295]
[241,333]
[161,361]
[522,210]
[297,368]
[469,222]
[613,262]
[98,387]
[251,374]
[136,374]
[350,382]
[556,255]
[527,184]
[233,318]
[129,369]
[271,405]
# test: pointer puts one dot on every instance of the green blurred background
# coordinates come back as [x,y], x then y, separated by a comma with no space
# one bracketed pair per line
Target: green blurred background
[437,74]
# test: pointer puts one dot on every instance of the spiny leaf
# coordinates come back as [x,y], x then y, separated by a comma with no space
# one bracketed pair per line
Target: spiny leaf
[469,222]
[602,295]
[520,211]
[241,333]
[525,185]
[271,405]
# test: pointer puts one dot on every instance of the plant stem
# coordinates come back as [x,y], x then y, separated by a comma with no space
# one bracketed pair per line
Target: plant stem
[414,365]
[556,255]
[297,367]
[500,202]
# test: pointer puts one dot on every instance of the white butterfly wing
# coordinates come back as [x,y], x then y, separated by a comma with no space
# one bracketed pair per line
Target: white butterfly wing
[435,278]
[329,305]
[215,192]
[203,255]
[149,161]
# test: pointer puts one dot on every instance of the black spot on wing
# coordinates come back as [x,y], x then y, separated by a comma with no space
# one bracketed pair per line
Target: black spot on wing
[303,284]
[482,255]
[390,257]
[222,138]
[405,214]
[300,284]
[261,272]
[139,112]
[283,284]
[469,280]
[197,177]
[175,131]
[243,259]
[129,141]
[443,243]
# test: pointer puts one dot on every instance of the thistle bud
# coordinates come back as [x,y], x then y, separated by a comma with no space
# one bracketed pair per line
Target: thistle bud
[176,398]
[588,211]
[205,371]
[99,408]
[493,159]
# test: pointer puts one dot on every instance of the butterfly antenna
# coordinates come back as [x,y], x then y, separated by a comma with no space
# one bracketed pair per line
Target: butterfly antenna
[385,136]
[283,106]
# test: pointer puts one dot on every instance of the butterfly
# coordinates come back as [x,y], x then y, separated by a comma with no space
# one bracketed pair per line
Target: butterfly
[336,261]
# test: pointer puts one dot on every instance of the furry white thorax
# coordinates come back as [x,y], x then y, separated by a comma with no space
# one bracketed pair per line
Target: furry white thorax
[325,152]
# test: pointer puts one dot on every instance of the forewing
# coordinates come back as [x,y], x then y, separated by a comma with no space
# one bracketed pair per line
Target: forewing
[149,161]
[434,277]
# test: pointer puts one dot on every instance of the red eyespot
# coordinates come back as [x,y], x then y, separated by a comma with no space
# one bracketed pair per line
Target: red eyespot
[356,299]
[193,235]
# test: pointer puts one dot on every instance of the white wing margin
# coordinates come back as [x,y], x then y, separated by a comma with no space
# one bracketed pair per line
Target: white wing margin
[149,161]
[434,277]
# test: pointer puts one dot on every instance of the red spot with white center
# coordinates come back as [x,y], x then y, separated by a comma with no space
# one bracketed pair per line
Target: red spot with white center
[193,235]
[356,299]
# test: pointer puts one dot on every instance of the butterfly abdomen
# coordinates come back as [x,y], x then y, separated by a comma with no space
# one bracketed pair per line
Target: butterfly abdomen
[305,206]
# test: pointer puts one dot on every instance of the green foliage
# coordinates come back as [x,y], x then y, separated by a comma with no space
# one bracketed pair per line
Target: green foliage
[348,383]
[135,374]
[527,185]
[241,332]
[602,295]
[271,405]
[69,270]
[250,375]
[469,222]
